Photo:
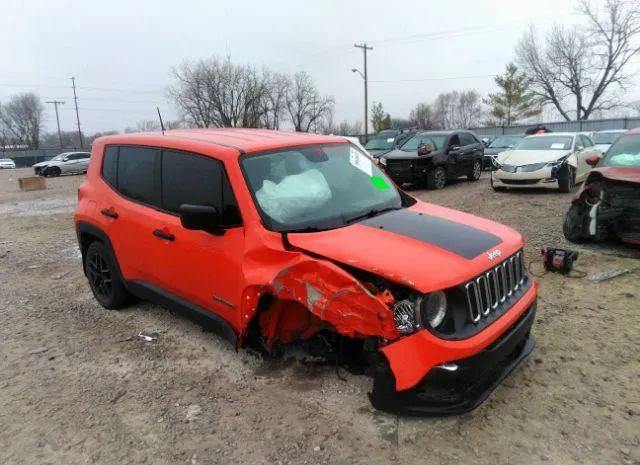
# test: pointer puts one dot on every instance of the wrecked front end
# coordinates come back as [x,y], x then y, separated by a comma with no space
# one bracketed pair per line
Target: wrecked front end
[429,354]
[604,208]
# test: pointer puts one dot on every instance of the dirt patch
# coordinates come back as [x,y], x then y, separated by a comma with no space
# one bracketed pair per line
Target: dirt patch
[77,384]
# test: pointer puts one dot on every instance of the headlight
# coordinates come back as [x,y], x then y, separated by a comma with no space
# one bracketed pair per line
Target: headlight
[557,162]
[424,311]
[432,309]
[405,316]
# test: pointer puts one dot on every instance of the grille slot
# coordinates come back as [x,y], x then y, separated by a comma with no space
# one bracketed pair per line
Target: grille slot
[493,288]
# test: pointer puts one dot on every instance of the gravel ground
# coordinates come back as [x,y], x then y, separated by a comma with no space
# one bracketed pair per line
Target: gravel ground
[77,384]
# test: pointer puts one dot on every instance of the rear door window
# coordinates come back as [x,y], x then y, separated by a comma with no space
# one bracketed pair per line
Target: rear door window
[138,174]
[466,139]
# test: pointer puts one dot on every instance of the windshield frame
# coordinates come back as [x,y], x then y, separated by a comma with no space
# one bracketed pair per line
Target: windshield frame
[270,225]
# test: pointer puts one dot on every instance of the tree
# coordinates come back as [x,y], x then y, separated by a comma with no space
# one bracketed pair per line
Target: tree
[219,93]
[380,120]
[424,117]
[457,109]
[577,69]
[304,104]
[21,119]
[275,99]
[401,123]
[514,101]
[344,128]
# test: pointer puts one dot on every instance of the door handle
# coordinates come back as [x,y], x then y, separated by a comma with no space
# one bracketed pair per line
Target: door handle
[163,235]
[109,213]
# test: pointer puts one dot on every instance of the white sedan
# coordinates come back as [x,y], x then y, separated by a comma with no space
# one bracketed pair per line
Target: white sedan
[556,160]
[7,163]
[68,162]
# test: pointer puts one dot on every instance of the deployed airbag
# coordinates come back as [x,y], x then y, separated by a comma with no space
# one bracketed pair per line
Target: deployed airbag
[294,195]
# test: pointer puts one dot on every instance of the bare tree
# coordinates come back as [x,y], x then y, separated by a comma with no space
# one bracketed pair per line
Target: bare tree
[424,117]
[219,93]
[577,69]
[401,123]
[469,109]
[147,125]
[304,104]
[457,109]
[274,101]
[21,118]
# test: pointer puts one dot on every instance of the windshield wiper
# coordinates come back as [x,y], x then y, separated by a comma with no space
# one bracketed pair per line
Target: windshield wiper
[369,214]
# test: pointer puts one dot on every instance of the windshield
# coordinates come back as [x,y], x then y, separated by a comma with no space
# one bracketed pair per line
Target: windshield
[317,187]
[505,142]
[380,143]
[624,153]
[545,143]
[436,140]
[606,137]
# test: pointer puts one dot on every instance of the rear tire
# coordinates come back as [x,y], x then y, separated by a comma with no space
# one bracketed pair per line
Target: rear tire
[476,171]
[436,178]
[104,279]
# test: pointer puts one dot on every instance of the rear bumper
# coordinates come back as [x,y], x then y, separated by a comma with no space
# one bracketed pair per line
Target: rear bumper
[446,392]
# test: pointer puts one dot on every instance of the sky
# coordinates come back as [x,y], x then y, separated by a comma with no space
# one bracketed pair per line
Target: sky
[121,51]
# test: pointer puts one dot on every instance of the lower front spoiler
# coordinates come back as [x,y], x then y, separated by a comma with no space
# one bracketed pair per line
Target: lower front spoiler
[444,392]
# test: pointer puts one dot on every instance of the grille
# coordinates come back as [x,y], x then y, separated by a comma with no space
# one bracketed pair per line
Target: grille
[489,291]
[520,181]
[399,166]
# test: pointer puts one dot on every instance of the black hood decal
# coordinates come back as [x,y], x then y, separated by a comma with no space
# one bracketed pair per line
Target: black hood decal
[461,239]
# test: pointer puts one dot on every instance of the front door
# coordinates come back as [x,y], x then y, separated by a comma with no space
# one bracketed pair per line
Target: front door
[198,266]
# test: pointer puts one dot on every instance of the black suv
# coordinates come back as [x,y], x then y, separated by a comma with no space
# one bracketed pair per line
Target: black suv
[433,157]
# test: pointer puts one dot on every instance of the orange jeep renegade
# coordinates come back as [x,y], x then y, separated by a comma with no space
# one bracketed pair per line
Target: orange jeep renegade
[277,237]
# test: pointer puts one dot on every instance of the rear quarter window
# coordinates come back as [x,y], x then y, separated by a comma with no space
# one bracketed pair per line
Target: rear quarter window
[110,165]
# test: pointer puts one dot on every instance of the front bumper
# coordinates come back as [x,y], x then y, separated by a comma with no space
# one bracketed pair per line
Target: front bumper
[543,178]
[444,391]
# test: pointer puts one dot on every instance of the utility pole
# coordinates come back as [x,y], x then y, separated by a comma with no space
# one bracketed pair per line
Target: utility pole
[364,48]
[55,105]
[75,99]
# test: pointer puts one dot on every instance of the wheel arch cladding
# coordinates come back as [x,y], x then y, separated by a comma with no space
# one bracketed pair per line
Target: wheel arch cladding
[313,294]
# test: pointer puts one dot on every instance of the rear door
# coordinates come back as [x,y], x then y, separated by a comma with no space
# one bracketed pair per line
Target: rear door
[468,147]
[128,207]
[198,266]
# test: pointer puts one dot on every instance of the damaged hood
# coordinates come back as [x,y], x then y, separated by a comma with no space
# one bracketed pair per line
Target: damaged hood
[529,157]
[425,247]
[619,174]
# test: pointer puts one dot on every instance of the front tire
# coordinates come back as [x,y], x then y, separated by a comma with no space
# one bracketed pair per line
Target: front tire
[104,280]
[55,172]
[574,223]
[436,178]
[567,184]
[476,171]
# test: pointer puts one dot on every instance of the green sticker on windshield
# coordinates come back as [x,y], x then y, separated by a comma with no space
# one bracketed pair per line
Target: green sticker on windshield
[379,182]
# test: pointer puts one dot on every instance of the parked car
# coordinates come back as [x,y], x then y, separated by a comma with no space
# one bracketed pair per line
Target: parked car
[7,163]
[433,157]
[555,160]
[268,236]
[387,140]
[604,139]
[608,204]
[497,146]
[68,162]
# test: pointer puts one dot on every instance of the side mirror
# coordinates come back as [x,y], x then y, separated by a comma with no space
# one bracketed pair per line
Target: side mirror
[592,160]
[425,149]
[201,218]
[579,147]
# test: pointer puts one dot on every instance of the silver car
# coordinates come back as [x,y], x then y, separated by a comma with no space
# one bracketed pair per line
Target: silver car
[68,162]
[7,163]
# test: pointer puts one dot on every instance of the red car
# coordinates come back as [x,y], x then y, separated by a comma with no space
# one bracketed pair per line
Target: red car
[608,203]
[277,237]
